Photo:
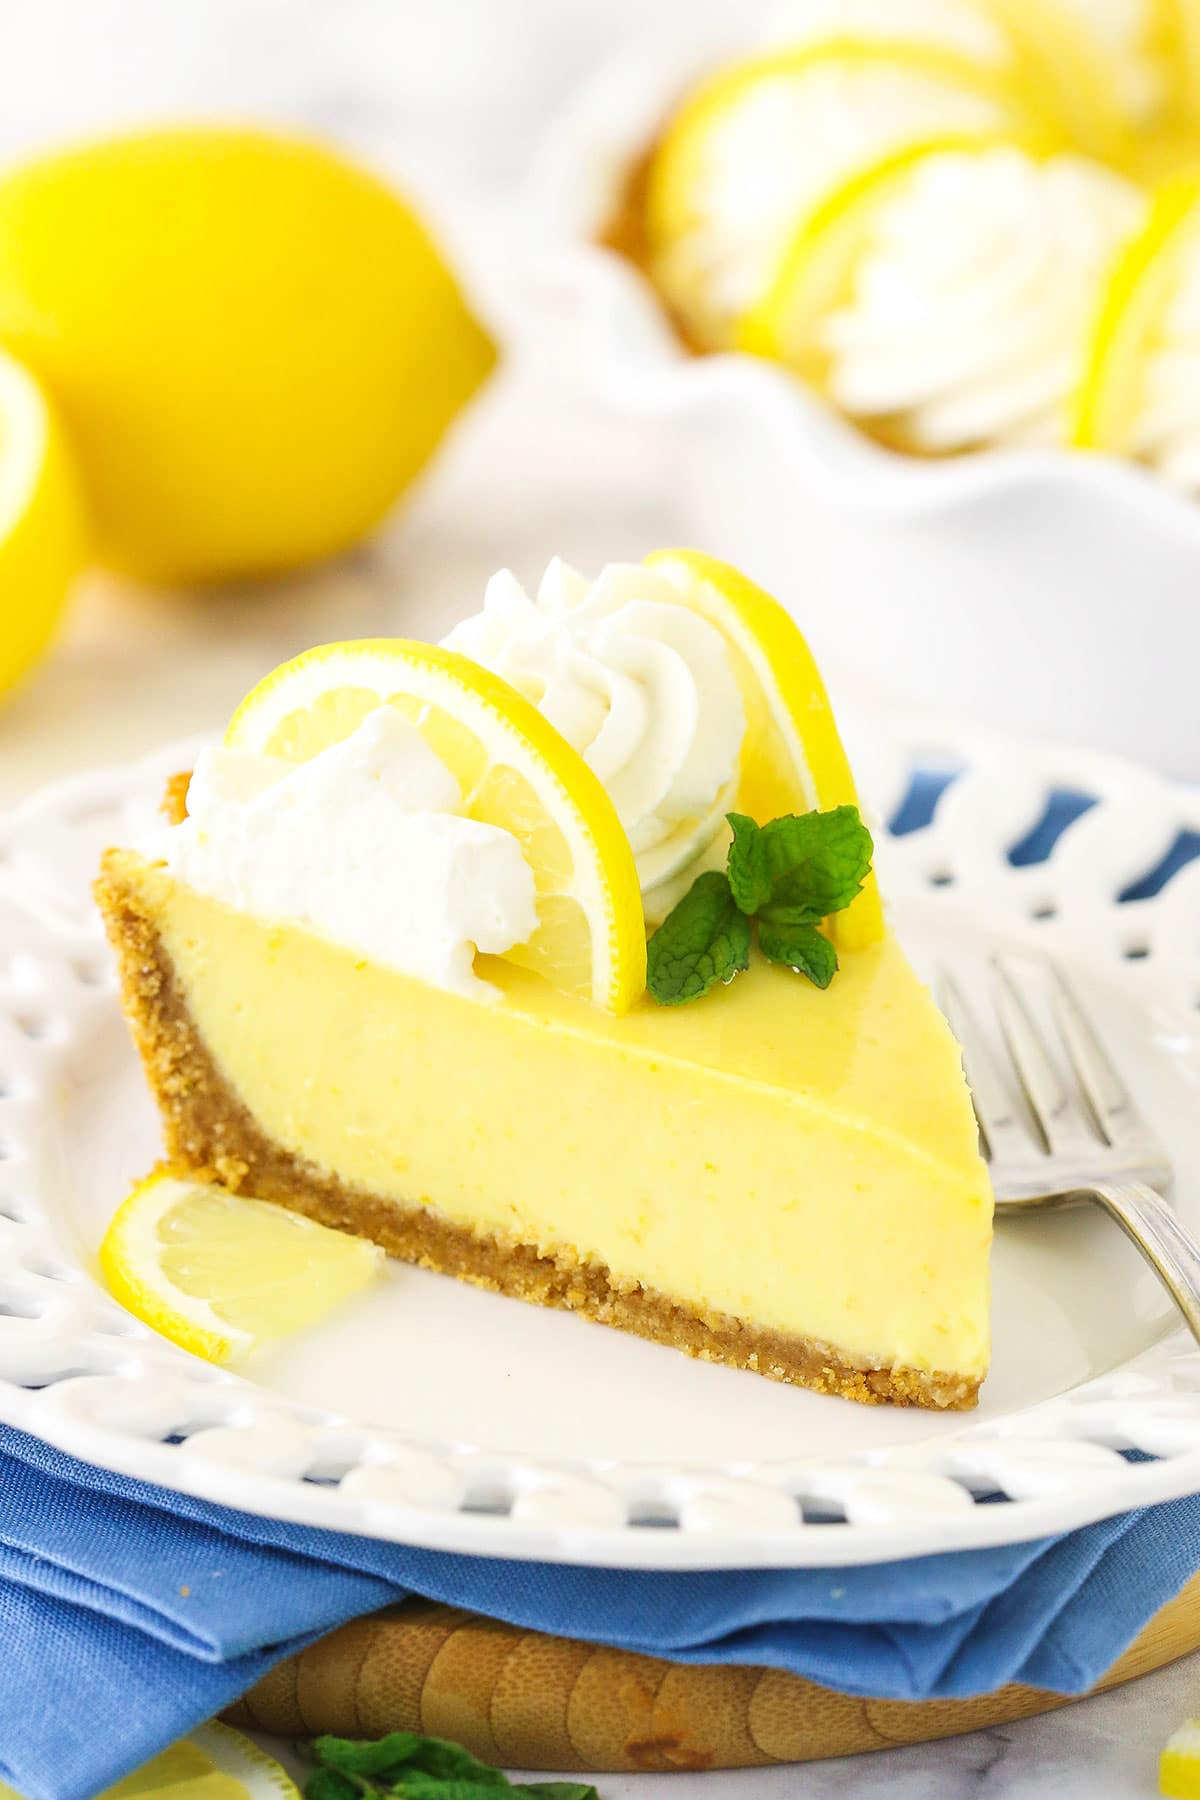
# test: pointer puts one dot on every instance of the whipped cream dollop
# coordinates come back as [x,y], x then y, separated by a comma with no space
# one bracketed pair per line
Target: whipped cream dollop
[365,844]
[1167,430]
[970,309]
[774,153]
[636,681]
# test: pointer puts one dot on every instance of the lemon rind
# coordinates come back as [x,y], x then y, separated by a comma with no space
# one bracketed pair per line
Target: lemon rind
[795,691]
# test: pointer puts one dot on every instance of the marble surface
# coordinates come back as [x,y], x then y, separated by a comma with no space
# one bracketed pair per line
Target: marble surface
[451,96]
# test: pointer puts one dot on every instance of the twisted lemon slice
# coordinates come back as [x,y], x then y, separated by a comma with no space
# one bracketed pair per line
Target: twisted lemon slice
[1131,309]
[763,144]
[815,273]
[515,771]
[792,755]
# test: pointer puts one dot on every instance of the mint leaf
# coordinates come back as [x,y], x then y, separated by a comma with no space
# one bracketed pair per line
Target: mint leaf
[402,1755]
[331,1784]
[800,946]
[405,1765]
[750,877]
[703,940]
[818,862]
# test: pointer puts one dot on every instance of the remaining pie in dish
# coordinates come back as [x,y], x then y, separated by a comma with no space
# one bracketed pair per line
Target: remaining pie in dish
[390,970]
[967,224]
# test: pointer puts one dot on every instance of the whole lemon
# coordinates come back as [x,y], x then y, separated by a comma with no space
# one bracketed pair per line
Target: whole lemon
[43,532]
[254,345]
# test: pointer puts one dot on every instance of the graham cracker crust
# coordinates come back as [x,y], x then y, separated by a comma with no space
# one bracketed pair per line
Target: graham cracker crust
[210,1134]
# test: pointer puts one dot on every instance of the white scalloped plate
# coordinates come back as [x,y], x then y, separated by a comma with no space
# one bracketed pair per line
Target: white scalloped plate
[438,1415]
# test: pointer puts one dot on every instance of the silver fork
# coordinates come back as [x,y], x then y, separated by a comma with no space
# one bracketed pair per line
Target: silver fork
[1094,1144]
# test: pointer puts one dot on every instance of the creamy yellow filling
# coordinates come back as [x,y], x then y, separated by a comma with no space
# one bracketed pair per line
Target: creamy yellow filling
[805,1161]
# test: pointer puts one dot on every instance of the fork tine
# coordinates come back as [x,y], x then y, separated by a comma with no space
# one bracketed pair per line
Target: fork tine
[1059,1114]
[999,1122]
[1106,1093]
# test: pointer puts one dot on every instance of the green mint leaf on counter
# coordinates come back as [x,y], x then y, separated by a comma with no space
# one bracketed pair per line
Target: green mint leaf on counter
[405,1765]
[750,878]
[331,1784]
[787,876]
[704,940]
[818,861]
[802,947]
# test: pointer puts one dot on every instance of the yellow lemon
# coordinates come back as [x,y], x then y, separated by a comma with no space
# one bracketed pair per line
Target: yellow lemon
[792,758]
[515,771]
[42,532]
[254,345]
[220,1272]
[1179,1765]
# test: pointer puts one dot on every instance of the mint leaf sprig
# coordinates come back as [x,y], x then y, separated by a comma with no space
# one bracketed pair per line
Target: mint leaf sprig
[786,877]
[404,1765]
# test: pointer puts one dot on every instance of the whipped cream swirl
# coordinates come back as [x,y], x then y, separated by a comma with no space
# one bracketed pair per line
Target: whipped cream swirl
[365,844]
[638,683]
[1167,432]
[968,318]
[774,154]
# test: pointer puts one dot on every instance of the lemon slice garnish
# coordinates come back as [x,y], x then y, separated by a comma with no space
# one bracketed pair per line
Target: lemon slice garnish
[515,771]
[1179,1764]
[42,535]
[1131,308]
[816,271]
[688,192]
[793,758]
[219,1273]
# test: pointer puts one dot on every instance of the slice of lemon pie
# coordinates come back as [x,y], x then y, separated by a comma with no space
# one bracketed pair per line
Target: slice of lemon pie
[390,969]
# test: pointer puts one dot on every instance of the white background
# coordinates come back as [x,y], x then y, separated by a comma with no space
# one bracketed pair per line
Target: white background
[449,96]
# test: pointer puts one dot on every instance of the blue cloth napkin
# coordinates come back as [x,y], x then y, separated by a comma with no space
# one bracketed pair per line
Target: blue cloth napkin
[128,1614]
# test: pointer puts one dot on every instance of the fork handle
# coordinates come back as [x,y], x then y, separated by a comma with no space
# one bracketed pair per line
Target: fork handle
[1172,1252]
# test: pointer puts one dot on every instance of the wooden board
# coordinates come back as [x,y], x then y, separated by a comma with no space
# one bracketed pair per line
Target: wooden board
[524,1700]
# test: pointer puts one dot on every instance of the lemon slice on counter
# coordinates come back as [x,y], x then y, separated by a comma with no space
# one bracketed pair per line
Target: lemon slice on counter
[793,758]
[214,1763]
[515,772]
[815,274]
[691,202]
[1179,1765]
[42,533]
[220,1273]
[1136,296]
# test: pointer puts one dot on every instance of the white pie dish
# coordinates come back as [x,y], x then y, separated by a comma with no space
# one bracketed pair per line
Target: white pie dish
[442,1416]
[1052,594]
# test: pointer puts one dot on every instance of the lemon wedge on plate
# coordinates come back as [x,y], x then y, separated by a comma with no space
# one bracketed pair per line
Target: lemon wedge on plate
[42,531]
[793,758]
[219,1273]
[214,1763]
[515,771]
[1135,298]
